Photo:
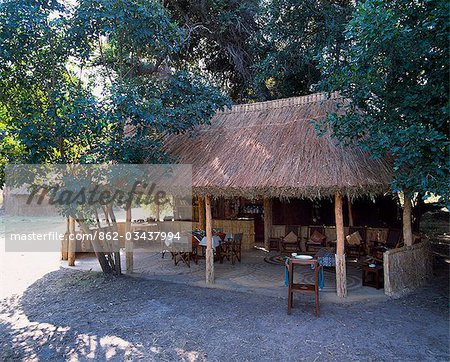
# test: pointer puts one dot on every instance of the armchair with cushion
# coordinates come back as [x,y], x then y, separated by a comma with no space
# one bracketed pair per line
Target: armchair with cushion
[354,245]
[316,238]
[290,243]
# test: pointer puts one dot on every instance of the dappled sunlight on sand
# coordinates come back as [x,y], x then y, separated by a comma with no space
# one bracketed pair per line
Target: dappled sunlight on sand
[28,337]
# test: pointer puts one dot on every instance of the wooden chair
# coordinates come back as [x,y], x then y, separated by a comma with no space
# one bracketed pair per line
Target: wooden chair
[236,245]
[287,247]
[196,249]
[290,245]
[303,288]
[179,254]
[313,244]
[225,250]
[231,249]
[221,235]
[353,250]
[393,241]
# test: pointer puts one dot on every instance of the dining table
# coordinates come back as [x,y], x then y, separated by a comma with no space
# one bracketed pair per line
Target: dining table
[216,240]
[216,244]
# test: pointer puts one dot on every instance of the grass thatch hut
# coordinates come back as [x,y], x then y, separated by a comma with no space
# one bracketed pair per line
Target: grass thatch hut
[272,150]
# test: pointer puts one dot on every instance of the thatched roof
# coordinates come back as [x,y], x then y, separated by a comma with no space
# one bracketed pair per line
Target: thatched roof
[272,149]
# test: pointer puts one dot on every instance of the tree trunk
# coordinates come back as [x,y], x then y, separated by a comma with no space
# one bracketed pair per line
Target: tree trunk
[98,249]
[267,221]
[128,243]
[158,211]
[407,226]
[341,273]
[72,243]
[115,242]
[209,249]
[65,242]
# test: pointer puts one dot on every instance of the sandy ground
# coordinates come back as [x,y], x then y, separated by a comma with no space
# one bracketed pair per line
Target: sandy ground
[52,314]
[18,270]
[80,315]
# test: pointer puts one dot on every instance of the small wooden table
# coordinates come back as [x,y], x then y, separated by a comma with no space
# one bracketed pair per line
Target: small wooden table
[303,288]
[373,276]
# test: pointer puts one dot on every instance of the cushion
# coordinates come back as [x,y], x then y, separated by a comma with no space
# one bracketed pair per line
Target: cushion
[291,237]
[354,239]
[317,237]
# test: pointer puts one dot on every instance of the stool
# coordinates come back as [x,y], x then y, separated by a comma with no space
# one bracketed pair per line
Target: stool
[373,276]
[303,288]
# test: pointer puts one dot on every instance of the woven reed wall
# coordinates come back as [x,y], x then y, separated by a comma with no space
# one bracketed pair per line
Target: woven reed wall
[407,268]
[246,227]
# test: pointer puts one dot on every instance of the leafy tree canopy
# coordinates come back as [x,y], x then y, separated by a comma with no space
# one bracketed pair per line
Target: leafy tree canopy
[291,34]
[95,82]
[395,72]
[218,37]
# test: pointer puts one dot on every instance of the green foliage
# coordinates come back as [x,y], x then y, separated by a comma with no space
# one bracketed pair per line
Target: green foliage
[292,32]
[96,82]
[218,37]
[395,71]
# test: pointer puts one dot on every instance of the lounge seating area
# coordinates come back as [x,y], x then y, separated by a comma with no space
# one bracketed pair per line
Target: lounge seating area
[361,241]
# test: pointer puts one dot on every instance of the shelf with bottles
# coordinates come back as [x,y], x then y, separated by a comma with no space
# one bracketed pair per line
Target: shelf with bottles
[251,209]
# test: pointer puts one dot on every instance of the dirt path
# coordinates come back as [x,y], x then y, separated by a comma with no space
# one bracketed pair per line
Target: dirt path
[70,315]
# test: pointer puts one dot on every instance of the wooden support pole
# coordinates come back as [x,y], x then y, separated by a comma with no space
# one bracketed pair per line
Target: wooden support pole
[267,221]
[72,243]
[209,249]
[341,273]
[350,212]
[128,242]
[407,225]
[65,242]
[158,211]
[201,213]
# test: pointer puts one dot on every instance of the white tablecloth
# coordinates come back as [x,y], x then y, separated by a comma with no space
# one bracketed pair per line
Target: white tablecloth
[215,241]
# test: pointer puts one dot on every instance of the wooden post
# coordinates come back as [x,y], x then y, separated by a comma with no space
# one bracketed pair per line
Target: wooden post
[128,242]
[201,213]
[407,226]
[209,249]
[65,242]
[158,212]
[72,243]
[267,221]
[341,273]
[350,212]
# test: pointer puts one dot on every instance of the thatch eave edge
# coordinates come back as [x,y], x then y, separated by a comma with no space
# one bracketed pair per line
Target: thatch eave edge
[290,193]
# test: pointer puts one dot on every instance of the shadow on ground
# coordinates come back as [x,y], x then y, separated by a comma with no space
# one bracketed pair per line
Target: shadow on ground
[79,315]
